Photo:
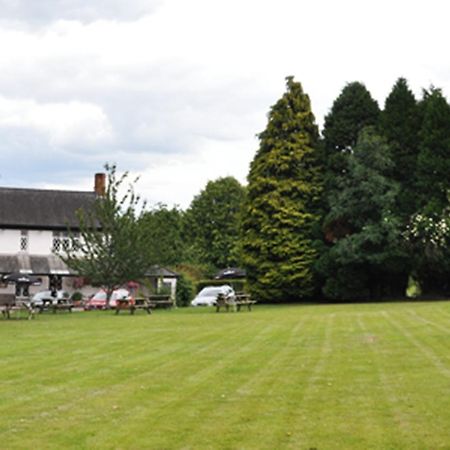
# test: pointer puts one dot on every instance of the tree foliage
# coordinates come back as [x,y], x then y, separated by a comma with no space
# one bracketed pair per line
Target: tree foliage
[367,258]
[211,224]
[112,247]
[164,230]
[433,171]
[353,110]
[400,125]
[281,213]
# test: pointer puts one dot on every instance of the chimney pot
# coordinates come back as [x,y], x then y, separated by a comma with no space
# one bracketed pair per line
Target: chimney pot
[100,184]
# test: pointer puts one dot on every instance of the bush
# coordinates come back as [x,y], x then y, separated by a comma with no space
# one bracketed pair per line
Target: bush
[184,291]
[77,296]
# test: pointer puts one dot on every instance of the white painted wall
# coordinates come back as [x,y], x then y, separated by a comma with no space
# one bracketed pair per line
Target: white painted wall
[9,241]
[39,242]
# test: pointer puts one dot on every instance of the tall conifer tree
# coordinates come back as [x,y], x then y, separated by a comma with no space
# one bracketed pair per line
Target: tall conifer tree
[367,259]
[353,110]
[281,213]
[433,170]
[400,125]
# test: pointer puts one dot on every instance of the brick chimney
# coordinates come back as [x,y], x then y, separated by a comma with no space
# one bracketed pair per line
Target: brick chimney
[100,184]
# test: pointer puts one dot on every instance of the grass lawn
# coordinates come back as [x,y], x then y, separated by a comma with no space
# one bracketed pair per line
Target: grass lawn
[373,376]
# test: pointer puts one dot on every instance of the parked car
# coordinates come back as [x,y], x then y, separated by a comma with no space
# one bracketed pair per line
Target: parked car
[98,300]
[42,297]
[208,295]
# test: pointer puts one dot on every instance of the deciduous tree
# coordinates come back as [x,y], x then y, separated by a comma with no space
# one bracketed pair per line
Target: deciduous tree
[164,230]
[211,224]
[112,248]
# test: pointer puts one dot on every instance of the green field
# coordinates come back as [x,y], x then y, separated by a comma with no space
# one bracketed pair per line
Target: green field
[367,376]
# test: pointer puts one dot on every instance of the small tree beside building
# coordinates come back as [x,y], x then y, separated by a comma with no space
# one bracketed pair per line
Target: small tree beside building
[112,247]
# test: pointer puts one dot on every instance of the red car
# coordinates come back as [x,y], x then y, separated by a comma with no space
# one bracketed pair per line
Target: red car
[98,300]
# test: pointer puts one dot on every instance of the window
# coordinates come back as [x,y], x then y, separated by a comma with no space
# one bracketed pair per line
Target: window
[23,245]
[61,241]
[56,245]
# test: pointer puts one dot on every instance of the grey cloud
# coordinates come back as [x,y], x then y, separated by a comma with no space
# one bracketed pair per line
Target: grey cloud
[39,12]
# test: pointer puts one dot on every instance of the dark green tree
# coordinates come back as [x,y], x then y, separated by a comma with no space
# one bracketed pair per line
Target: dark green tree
[211,224]
[433,165]
[164,229]
[400,125]
[429,240]
[281,214]
[185,290]
[367,258]
[353,110]
[112,246]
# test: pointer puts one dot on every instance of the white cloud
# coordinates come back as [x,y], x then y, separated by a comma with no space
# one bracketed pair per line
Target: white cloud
[43,11]
[65,124]
[177,90]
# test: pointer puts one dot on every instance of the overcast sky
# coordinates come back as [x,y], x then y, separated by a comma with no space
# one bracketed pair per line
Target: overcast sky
[176,90]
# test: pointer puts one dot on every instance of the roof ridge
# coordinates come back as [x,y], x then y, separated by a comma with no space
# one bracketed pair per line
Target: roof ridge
[5,188]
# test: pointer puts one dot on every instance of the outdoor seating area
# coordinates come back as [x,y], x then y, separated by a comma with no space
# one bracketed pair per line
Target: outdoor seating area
[145,303]
[50,304]
[160,301]
[234,304]
[10,304]
[243,299]
[132,306]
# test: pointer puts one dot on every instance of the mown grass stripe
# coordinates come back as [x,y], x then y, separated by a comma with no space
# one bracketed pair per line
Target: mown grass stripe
[301,376]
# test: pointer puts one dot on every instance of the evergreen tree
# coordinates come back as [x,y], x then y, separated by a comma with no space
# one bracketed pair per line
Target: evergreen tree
[400,124]
[282,210]
[367,258]
[433,166]
[353,110]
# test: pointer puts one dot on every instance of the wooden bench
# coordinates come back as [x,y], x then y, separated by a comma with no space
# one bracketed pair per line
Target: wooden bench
[235,303]
[62,305]
[243,299]
[132,306]
[223,302]
[10,303]
[48,304]
[160,301]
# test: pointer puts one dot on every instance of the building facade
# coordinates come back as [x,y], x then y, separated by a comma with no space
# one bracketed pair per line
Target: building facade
[34,226]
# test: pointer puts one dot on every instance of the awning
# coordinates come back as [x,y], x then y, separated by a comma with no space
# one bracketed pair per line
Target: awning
[36,265]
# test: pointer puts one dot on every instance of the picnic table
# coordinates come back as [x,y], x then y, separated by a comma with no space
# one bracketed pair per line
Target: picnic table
[10,303]
[243,299]
[234,303]
[160,301]
[49,304]
[133,305]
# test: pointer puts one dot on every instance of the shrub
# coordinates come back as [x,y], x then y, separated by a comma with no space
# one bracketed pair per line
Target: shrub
[77,296]
[184,291]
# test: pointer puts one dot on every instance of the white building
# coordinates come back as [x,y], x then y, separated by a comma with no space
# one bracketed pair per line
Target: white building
[34,226]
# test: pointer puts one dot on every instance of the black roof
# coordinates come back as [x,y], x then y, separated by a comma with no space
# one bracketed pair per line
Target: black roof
[42,209]
[158,271]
